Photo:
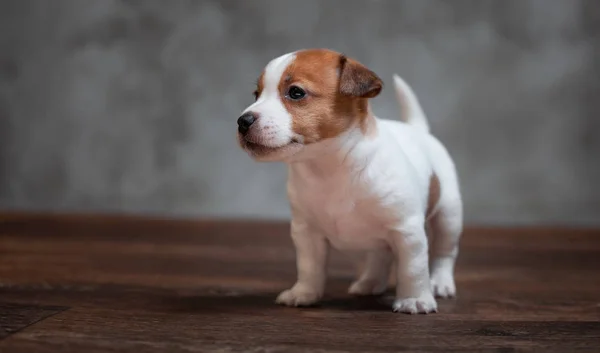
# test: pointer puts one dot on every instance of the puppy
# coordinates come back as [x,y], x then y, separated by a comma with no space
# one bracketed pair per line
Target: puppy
[357,182]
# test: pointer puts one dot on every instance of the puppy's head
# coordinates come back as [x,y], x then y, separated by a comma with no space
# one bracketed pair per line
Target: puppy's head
[303,98]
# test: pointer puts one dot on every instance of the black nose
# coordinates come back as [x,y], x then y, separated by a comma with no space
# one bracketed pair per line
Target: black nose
[245,121]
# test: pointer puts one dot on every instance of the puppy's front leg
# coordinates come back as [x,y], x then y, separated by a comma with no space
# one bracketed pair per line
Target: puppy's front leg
[311,261]
[413,290]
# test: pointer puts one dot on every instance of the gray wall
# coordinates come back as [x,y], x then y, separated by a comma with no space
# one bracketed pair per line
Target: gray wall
[130,106]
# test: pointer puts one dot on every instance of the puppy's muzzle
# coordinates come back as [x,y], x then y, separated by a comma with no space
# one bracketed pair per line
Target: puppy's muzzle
[245,122]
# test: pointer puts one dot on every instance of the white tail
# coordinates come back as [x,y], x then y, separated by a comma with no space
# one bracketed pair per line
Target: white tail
[410,108]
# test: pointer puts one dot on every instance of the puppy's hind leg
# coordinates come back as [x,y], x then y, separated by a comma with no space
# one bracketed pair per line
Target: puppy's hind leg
[374,277]
[445,227]
[413,288]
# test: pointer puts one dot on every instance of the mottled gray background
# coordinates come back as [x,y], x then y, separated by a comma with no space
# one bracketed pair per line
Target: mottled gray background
[130,106]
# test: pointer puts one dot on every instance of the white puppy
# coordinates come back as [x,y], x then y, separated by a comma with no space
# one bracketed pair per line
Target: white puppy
[357,182]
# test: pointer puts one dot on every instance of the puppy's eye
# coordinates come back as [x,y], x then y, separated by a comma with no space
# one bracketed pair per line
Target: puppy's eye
[296,93]
[255,94]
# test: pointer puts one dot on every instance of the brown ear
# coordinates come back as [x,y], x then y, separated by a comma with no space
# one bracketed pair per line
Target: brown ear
[358,81]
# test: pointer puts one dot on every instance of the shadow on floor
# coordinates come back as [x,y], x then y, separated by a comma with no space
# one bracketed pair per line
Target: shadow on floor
[266,301]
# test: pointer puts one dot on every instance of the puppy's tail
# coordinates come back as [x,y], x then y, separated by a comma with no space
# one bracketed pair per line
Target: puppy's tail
[410,108]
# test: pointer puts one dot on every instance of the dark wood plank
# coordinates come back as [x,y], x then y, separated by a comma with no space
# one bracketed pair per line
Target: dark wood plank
[15,317]
[135,284]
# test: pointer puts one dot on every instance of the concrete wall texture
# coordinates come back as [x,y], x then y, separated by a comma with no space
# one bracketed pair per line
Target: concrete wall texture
[130,106]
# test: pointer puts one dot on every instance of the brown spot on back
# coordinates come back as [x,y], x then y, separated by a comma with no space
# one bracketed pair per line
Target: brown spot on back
[434,194]
[326,111]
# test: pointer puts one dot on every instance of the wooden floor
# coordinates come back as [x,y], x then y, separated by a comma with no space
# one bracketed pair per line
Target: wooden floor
[109,284]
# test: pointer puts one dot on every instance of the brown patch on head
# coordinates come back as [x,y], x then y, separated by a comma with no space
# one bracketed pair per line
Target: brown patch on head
[260,85]
[434,194]
[358,81]
[337,92]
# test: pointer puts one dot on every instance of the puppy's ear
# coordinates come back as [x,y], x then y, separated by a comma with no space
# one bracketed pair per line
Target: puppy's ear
[358,81]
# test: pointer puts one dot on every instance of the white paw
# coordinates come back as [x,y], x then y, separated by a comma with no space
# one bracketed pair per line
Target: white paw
[442,284]
[424,304]
[364,287]
[297,296]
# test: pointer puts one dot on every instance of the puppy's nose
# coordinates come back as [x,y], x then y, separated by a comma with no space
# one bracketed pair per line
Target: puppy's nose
[245,121]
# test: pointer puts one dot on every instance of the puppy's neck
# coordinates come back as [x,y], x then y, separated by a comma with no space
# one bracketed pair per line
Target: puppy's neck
[343,153]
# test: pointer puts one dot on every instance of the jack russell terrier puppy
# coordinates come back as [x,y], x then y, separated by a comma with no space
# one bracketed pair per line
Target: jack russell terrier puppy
[357,182]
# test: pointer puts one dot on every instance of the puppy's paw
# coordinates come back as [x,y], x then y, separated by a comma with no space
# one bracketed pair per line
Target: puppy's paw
[424,304]
[364,287]
[298,296]
[442,284]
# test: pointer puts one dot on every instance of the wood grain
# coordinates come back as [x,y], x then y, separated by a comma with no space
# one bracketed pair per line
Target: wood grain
[15,317]
[146,285]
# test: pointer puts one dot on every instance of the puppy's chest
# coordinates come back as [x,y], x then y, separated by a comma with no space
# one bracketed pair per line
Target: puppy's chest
[347,213]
